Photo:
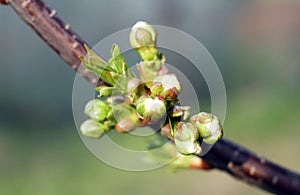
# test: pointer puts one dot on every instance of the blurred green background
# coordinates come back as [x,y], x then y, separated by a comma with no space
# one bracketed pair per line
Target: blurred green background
[255,44]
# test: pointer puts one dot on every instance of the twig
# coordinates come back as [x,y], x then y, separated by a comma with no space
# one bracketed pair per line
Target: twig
[225,155]
[45,22]
[252,168]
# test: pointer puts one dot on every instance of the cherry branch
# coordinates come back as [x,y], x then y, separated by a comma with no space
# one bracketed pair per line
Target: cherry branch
[225,155]
[57,34]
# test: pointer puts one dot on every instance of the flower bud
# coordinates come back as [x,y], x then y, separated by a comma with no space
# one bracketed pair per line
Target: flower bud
[132,85]
[97,109]
[142,34]
[115,99]
[186,138]
[148,70]
[128,124]
[151,109]
[166,86]
[209,127]
[135,89]
[157,88]
[166,131]
[93,129]
[143,38]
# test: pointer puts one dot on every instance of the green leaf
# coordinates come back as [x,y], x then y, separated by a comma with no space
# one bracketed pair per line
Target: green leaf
[105,91]
[96,64]
[117,61]
[93,58]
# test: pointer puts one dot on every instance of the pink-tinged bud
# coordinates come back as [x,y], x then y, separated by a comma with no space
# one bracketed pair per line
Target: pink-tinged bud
[166,86]
[127,124]
[166,131]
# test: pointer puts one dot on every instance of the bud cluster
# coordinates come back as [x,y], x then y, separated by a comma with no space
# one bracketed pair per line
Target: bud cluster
[203,127]
[151,98]
[101,119]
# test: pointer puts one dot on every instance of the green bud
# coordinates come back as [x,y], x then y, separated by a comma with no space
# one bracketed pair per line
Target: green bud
[214,138]
[135,89]
[97,109]
[151,109]
[126,117]
[209,127]
[157,88]
[128,124]
[143,38]
[142,34]
[186,138]
[148,70]
[166,86]
[133,85]
[93,129]
[115,99]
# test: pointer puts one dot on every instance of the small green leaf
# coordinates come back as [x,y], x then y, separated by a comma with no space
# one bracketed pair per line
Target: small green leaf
[117,61]
[96,64]
[91,56]
[105,91]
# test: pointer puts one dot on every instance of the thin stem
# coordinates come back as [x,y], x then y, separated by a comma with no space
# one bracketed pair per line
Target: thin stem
[225,155]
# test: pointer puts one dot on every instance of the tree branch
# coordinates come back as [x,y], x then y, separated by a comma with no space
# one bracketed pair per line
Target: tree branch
[252,168]
[57,34]
[225,155]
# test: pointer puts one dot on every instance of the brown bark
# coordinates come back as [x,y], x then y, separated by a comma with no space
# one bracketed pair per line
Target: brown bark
[252,168]
[59,35]
[225,155]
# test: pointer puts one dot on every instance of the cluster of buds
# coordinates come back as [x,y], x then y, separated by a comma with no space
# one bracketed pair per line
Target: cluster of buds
[202,127]
[151,98]
[101,120]
[143,38]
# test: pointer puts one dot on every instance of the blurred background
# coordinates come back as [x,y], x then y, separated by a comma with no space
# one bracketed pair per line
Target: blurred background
[255,44]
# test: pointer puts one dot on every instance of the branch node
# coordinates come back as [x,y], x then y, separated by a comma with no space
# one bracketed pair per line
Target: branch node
[75,45]
[94,81]
[275,180]
[230,165]
[52,13]
[25,3]
[67,26]
[262,160]
[252,171]
[74,66]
